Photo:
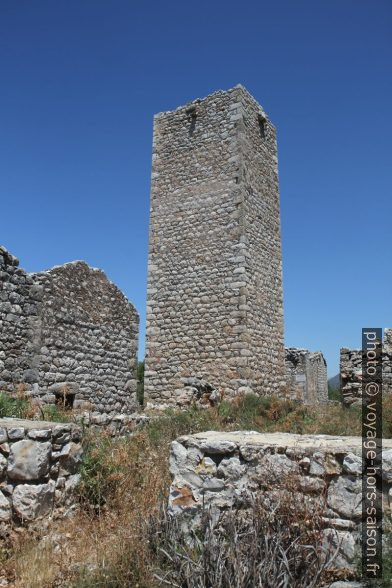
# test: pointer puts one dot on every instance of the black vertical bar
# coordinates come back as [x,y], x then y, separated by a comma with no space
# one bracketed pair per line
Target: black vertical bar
[372,452]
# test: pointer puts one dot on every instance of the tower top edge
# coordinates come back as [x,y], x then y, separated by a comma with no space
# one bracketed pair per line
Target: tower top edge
[193,103]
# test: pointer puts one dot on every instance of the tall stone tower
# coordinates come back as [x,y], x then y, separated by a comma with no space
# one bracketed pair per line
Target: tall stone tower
[214,300]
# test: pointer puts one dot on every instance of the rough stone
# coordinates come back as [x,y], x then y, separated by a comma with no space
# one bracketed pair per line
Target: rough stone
[306,374]
[352,464]
[344,496]
[31,502]
[5,509]
[29,460]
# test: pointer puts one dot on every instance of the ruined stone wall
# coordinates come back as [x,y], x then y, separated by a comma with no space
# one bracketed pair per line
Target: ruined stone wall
[306,374]
[69,334]
[39,463]
[89,335]
[214,472]
[214,299]
[19,325]
[351,371]
[387,362]
[351,375]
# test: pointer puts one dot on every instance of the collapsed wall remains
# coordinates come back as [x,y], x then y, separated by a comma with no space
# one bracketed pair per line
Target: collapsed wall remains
[67,335]
[306,372]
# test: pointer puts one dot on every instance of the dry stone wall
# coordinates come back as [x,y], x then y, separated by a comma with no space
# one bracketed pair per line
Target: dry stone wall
[67,335]
[39,463]
[20,301]
[89,334]
[214,300]
[351,371]
[216,472]
[306,373]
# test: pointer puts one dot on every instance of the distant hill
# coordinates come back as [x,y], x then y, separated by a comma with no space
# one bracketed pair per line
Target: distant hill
[334,382]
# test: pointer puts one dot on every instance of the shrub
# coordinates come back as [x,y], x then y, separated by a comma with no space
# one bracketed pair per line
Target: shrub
[140,382]
[266,548]
[55,413]
[98,472]
[334,393]
[16,407]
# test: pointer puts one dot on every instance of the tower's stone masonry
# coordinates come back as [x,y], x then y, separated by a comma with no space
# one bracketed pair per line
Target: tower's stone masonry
[214,302]
[67,334]
[351,371]
[307,378]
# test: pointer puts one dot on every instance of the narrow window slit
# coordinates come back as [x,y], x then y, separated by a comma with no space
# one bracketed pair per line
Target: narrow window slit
[262,120]
[192,114]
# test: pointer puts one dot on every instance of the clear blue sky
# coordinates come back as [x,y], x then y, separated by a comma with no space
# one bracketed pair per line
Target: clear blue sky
[81,79]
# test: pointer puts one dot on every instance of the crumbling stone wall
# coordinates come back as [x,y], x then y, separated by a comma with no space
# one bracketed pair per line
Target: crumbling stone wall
[19,325]
[387,362]
[214,299]
[351,371]
[67,334]
[215,472]
[39,463]
[306,373]
[89,334]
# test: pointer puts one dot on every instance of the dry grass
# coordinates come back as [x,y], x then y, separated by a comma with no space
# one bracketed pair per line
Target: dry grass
[125,482]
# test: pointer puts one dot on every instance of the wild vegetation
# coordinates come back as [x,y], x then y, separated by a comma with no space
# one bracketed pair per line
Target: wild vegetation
[120,536]
[20,406]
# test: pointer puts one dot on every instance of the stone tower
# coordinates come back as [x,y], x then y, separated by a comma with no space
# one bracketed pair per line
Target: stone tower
[214,299]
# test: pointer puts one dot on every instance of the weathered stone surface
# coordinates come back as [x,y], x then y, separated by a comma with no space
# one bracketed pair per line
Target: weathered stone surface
[351,371]
[71,458]
[214,237]
[16,433]
[218,471]
[3,463]
[344,541]
[41,434]
[344,496]
[29,460]
[306,373]
[352,464]
[31,502]
[5,508]
[39,470]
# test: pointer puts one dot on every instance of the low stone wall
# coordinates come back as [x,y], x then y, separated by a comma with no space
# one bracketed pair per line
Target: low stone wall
[39,464]
[306,373]
[219,471]
[115,425]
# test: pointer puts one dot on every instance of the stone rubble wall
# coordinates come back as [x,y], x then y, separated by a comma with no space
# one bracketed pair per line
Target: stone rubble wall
[89,335]
[20,301]
[115,425]
[306,374]
[351,371]
[67,332]
[214,299]
[219,471]
[39,464]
